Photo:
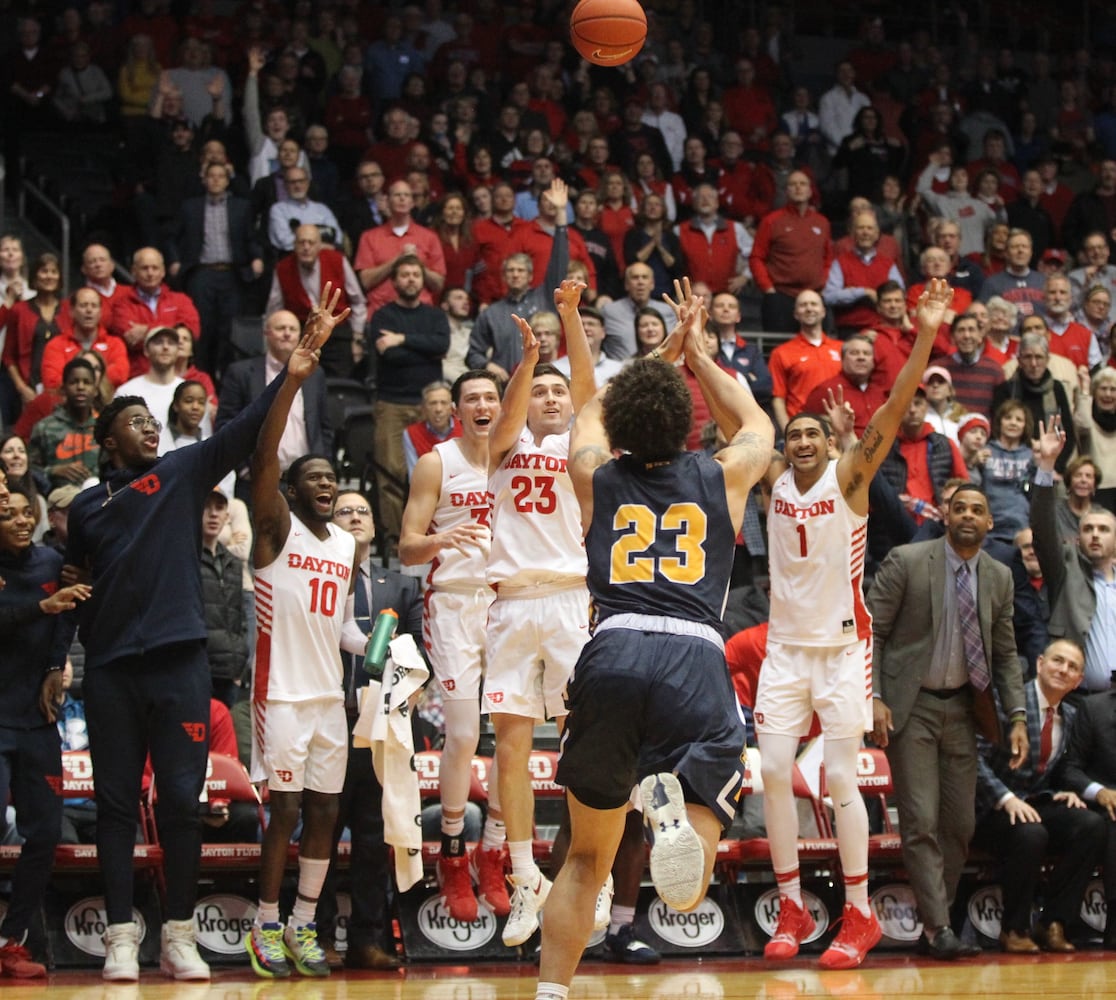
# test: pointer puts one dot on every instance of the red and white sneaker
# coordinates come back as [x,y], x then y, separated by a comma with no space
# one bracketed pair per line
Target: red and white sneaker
[457,888]
[487,869]
[795,926]
[16,961]
[858,935]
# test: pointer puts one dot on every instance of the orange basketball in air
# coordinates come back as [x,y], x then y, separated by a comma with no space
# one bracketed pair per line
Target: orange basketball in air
[608,32]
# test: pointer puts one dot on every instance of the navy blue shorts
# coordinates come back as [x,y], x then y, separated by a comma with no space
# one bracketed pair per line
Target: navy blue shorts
[645,702]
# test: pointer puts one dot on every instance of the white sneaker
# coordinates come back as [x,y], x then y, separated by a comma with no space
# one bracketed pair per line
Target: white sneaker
[603,913]
[121,953]
[180,957]
[526,902]
[677,855]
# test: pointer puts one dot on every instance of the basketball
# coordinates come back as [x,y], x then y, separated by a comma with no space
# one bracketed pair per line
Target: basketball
[608,32]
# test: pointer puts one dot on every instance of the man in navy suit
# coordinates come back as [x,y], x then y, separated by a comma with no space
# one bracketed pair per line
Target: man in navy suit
[1090,771]
[215,253]
[378,589]
[308,429]
[1024,813]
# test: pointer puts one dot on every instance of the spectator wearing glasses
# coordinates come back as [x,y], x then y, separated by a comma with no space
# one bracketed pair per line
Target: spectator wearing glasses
[298,209]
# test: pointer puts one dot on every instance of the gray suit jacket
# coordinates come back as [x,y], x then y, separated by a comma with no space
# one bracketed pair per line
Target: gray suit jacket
[244,381]
[907,600]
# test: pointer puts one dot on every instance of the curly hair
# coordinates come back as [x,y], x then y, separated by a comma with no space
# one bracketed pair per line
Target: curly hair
[648,410]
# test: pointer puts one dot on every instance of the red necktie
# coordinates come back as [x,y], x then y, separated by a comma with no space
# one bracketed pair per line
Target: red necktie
[1046,740]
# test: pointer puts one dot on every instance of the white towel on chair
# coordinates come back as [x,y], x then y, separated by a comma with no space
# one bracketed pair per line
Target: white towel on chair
[385,726]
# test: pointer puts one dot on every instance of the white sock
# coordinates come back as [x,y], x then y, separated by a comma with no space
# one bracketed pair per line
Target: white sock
[495,833]
[311,876]
[790,885]
[523,860]
[551,991]
[267,913]
[621,916]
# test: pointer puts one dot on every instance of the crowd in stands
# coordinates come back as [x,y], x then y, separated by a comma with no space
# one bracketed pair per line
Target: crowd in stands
[403,153]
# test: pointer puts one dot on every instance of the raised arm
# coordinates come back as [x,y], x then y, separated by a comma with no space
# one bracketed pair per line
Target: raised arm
[583,386]
[739,417]
[858,465]
[509,422]
[589,450]
[273,517]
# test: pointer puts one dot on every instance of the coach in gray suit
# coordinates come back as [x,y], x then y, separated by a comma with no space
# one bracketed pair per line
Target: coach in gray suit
[933,692]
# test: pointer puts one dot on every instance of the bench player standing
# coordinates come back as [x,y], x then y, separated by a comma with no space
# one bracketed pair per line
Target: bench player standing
[446,523]
[819,645]
[305,567]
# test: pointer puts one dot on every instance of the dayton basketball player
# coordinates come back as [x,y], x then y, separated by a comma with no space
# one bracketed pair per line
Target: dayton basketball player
[821,660]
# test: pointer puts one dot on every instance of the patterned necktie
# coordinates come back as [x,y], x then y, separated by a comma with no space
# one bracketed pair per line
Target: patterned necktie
[363,613]
[970,631]
[1046,740]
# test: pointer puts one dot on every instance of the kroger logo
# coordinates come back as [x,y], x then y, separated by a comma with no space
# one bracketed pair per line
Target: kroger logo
[438,927]
[695,929]
[767,912]
[897,912]
[1094,910]
[85,925]
[986,910]
[222,923]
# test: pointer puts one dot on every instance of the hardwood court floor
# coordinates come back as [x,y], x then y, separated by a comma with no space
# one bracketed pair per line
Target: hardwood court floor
[1087,974]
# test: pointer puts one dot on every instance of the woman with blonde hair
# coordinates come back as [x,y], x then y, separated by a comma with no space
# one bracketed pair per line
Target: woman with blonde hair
[138,77]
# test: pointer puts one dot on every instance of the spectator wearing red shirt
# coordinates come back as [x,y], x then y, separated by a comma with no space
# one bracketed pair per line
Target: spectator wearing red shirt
[792,253]
[458,245]
[494,237]
[749,108]
[98,269]
[1067,337]
[85,333]
[537,238]
[617,211]
[380,248]
[804,362]
[995,159]
[695,170]
[856,382]
[738,187]
[146,304]
[934,263]
[391,151]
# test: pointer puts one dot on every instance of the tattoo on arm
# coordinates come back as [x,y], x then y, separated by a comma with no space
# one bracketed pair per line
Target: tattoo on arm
[871,443]
[592,456]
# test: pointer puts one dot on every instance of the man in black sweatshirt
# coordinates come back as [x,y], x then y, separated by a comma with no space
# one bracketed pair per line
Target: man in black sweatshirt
[34,639]
[147,678]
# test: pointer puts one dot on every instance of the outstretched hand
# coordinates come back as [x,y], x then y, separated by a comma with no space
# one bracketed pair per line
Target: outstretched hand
[839,412]
[933,303]
[1049,443]
[530,341]
[559,195]
[322,319]
[691,323]
[567,296]
[683,293]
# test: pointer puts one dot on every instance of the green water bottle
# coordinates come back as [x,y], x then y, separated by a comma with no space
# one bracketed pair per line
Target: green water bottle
[375,655]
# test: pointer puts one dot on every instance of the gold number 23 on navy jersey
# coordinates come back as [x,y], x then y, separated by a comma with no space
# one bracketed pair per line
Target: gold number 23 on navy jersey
[641,527]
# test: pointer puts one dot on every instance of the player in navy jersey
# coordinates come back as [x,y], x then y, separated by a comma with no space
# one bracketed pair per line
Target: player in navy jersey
[650,698]
[821,660]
